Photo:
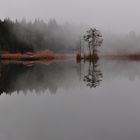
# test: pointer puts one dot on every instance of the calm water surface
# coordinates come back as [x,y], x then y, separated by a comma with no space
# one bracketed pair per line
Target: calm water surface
[70,101]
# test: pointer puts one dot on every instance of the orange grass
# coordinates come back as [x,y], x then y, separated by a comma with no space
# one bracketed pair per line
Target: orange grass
[135,56]
[32,56]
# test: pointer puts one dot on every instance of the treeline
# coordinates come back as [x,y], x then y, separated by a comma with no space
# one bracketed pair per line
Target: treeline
[22,36]
[121,44]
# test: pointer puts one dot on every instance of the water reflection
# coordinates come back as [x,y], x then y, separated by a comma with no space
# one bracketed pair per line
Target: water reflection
[35,76]
[76,112]
[42,76]
[94,75]
[113,69]
[90,73]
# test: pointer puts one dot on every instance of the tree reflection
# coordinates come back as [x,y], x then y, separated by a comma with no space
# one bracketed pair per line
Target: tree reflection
[36,77]
[9,73]
[41,76]
[92,76]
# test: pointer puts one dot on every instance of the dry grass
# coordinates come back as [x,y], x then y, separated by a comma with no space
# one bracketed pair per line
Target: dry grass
[31,56]
[124,57]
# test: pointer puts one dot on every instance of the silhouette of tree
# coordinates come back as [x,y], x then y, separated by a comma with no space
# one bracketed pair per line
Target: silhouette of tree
[94,39]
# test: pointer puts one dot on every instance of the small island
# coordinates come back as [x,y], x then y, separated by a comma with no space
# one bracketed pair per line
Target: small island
[93,40]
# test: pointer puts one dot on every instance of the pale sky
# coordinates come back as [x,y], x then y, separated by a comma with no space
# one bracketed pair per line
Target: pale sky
[111,15]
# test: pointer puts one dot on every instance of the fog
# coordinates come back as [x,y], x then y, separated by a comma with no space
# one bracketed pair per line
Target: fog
[121,44]
[118,20]
[119,16]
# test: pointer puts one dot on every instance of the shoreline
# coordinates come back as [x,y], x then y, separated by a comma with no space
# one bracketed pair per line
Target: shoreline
[122,57]
[31,56]
[45,56]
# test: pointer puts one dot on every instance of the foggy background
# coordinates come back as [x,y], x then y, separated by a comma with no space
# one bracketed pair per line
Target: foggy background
[119,16]
[118,20]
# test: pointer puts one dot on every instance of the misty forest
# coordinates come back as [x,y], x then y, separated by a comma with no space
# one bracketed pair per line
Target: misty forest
[37,36]
[24,36]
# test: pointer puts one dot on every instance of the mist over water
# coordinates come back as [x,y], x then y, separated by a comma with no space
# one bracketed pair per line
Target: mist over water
[41,77]
[68,100]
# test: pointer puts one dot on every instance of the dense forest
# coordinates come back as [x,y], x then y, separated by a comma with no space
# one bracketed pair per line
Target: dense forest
[22,36]
[31,36]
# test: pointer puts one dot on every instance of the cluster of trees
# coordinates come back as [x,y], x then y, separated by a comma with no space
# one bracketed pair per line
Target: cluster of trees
[9,41]
[26,36]
[94,39]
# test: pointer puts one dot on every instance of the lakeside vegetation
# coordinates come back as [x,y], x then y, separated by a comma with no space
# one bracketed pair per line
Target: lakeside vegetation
[22,40]
[31,56]
[131,56]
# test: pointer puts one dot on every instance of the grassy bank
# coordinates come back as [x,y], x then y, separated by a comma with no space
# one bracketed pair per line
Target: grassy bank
[123,56]
[31,56]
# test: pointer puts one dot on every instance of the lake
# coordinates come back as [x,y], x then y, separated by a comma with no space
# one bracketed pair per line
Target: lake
[66,100]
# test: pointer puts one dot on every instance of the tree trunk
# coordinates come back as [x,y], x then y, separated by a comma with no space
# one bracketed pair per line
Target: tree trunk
[89,50]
